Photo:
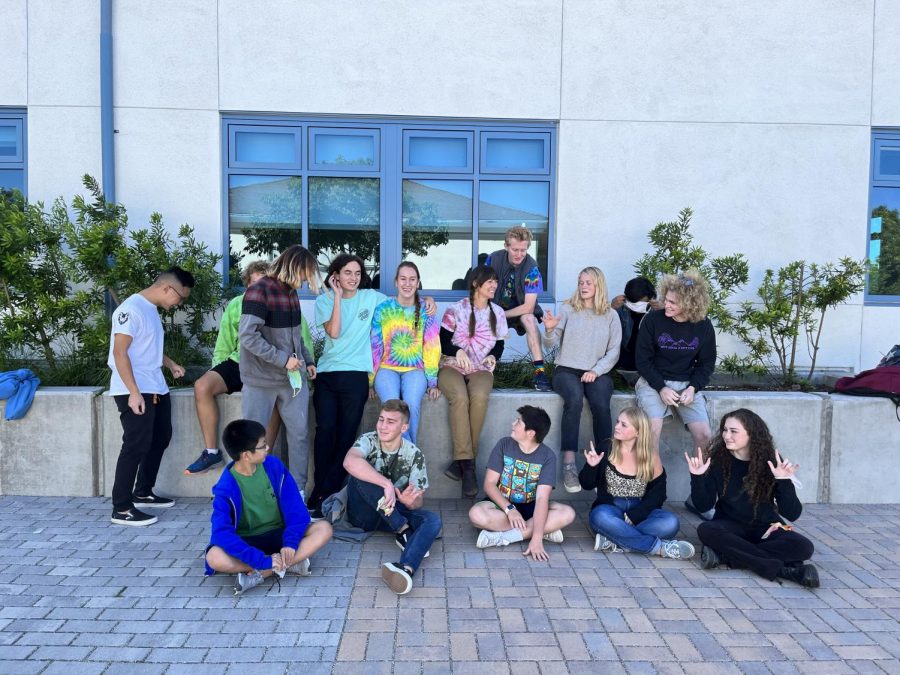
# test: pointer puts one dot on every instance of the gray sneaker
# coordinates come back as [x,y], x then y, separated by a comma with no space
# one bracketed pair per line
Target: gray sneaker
[604,545]
[570,478]
[677,548]
[246,581]
[301,569]
[487,539]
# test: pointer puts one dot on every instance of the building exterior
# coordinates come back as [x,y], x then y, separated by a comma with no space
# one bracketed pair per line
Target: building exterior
[424,129]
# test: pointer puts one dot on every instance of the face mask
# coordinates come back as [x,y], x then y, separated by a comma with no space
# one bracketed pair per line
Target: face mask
[296,379]
[639,307]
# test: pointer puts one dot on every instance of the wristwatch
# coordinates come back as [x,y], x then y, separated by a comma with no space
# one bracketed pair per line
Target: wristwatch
[510,507]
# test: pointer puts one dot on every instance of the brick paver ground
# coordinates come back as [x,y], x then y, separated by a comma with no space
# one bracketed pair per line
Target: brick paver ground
[78,595]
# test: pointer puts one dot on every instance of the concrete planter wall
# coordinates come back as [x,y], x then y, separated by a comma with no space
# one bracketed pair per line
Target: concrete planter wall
[69,442]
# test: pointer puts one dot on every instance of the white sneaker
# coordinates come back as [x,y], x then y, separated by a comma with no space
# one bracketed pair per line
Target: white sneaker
[556,536]
[301,569]
[604,545]
[487,539]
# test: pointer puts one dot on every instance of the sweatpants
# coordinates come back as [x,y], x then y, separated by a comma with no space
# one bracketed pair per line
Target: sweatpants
[144,440]
[257,404]
[741,546]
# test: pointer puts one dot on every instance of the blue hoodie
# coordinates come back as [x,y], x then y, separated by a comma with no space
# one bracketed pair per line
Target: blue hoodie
[226,514]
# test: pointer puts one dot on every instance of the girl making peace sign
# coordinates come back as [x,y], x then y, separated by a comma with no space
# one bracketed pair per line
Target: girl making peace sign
[751,487]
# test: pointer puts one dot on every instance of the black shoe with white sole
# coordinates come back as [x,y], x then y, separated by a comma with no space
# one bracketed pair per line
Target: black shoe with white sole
[153,501]
[132,518]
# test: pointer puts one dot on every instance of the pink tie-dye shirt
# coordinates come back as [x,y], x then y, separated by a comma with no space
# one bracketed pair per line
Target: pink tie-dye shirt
[479,345]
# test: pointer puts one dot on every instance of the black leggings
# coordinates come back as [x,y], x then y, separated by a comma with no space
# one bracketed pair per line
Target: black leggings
[741,546]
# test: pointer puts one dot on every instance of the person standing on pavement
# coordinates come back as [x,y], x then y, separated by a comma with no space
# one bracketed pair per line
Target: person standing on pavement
[141,394]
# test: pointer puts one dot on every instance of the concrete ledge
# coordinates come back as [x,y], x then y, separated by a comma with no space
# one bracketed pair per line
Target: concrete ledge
[52,451]
[865,450]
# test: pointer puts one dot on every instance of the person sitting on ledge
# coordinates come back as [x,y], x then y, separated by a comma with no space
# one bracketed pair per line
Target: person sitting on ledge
[521,472]
[260,525]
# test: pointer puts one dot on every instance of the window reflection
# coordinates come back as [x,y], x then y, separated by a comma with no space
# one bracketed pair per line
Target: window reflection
[345,217]
[258,147]
[264,214]
[437,229]
[8,140]
[884,242]
[504,204]
[336,150]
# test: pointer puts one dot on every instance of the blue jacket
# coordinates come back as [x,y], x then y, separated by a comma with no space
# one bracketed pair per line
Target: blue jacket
[226,514]
[18,386]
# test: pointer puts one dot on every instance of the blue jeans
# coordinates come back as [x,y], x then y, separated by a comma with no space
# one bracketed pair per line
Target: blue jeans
[609,520]
[567,383]
[410,387]
[362,511]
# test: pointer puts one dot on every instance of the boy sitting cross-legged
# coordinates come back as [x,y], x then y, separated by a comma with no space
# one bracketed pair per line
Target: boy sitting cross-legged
[521,472]
[386,490]
[260,525]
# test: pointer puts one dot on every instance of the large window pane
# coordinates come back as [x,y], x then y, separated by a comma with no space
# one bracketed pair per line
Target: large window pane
[264,215]
[9,139]
[438,152]
[339,150]
[12,179]
[269,147]
[345,216]
[437,230]
[504,204]
[884,242]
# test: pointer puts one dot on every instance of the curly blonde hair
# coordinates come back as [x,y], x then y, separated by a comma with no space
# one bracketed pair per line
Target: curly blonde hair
[693,291]
[601,292]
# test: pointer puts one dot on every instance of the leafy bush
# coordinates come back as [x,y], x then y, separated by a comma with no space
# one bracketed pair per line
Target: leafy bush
[674,252]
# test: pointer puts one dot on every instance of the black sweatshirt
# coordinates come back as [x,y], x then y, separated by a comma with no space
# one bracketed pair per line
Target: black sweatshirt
[707,492]
[594,478]
[671,350]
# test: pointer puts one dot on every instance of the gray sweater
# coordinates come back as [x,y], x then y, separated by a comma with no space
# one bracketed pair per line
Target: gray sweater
[588,341]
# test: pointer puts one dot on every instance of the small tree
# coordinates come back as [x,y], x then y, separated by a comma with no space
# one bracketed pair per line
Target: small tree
[674,252]
[791,310]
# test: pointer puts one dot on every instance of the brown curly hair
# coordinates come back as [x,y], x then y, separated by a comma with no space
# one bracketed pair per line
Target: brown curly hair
[759,484]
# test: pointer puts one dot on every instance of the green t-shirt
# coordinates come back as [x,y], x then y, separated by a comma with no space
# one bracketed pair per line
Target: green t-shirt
[260,512]
[405,466]
[352,350]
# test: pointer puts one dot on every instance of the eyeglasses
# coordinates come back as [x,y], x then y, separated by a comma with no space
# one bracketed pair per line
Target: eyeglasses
[518,421]
[264,446]
[181,297]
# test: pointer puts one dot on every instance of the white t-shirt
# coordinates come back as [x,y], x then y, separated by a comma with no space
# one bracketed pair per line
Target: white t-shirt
[139,318]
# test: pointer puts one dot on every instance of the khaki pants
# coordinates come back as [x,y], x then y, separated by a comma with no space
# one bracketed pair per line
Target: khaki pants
[468,399]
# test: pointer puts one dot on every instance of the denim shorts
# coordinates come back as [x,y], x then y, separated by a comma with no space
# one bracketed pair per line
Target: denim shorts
[649,401]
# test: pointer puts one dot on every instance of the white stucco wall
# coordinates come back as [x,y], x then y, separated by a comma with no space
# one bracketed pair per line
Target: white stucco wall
[757,117]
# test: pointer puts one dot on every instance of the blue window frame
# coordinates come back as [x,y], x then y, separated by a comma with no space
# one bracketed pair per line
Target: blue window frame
[883,240]
[441,195]
[13,134]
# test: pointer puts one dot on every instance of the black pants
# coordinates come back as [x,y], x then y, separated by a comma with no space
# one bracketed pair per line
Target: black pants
[741,546]
[339,399]
[144,440]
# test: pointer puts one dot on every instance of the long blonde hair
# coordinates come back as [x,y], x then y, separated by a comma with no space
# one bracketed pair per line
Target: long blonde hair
[601,292]
[643,452]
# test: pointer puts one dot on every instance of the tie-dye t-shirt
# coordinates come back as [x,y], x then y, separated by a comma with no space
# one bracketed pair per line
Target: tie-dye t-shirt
[521,473]
[479,345]
[398,345]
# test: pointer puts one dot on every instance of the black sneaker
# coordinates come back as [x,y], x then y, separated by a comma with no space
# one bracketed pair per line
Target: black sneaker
[132,518]
[397,577]
[542,382]
[315,514]
[153,501]
[453,472]
[804,574]
[402,540]
[705,515]
[709,559]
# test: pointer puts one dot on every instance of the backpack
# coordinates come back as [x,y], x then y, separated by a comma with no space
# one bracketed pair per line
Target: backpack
[882,381]
[892,358]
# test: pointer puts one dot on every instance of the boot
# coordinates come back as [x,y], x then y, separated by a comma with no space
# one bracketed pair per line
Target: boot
[453,472]
[804,574]
[469,482]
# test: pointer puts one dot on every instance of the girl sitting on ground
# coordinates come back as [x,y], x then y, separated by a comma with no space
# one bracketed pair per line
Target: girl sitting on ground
[631,490]
[752,489]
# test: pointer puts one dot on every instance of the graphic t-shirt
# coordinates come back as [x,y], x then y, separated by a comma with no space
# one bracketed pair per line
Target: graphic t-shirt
[405,466]
[521,473]
[259,510]
[479,345]
[139,318]
[532,283]
[352,350]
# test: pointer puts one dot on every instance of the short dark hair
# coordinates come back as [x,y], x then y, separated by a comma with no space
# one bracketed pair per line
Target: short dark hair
[639,287]
[183,277]
[242,436]
[535,419]
[396,405]
[341,261]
